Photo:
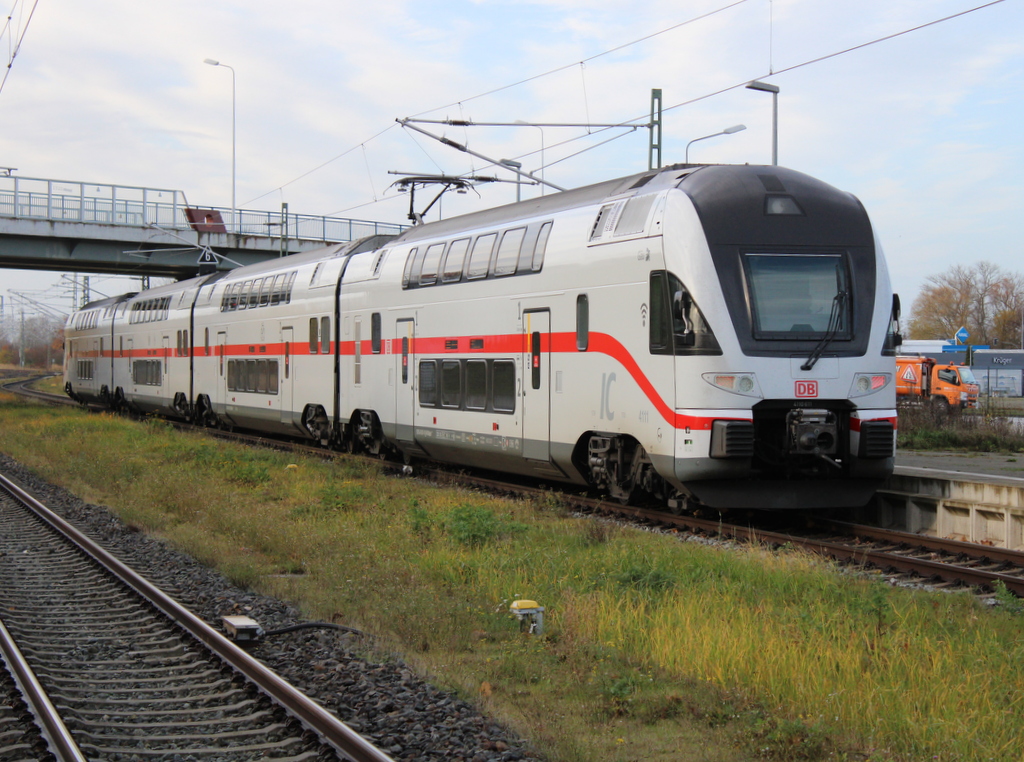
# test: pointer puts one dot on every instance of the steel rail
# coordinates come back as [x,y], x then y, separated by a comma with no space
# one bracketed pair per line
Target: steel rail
[941,544]
[340,736]
[58,737]
[883,559]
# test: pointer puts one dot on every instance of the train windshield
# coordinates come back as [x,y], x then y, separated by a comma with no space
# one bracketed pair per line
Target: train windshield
[798,296]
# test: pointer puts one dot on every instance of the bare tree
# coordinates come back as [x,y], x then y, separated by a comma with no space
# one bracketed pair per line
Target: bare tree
[984,299]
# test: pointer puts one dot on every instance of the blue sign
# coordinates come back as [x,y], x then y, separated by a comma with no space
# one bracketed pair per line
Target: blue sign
[962,335]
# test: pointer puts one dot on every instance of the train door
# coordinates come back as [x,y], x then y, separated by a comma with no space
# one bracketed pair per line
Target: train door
[405,379]
[129,371]
[221,383]
[285,373]
[536,385]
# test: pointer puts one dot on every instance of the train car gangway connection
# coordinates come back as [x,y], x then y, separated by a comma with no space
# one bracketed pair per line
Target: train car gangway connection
[96,227]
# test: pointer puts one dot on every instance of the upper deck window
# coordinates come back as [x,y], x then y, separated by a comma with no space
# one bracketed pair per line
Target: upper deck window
[798,296]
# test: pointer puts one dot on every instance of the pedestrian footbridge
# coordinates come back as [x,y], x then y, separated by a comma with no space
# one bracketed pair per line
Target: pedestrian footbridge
[75,226]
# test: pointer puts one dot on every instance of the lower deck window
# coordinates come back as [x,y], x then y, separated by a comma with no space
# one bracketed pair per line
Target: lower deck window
[85,370]
[468,384]
[256,376]
[147,372]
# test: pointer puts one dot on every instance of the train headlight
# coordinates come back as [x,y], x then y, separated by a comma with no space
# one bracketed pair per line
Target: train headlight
[868,383]
[737,383]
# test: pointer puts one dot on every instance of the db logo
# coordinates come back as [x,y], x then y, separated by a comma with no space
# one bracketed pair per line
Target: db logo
[806,388]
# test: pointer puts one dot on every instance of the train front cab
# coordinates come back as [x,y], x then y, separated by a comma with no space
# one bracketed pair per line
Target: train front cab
[798,408]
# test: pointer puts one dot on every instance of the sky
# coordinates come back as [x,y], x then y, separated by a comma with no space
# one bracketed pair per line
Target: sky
[922,121]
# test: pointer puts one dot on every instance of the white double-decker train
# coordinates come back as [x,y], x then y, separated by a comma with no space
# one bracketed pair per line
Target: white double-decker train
[716,335]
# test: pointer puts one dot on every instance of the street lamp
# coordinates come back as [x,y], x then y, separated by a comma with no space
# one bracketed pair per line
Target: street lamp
[528,124]
[514,165]
[774,90]
[727,131]
[211,62]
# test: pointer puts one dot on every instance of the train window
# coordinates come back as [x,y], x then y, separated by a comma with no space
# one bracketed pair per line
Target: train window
[146,372]
[634,215]
[508,251]
[206,341]
[184,344]
[540,247]
[325,335]
[480,259]
[407,273]
[677,324]
[453,263]
[314,336]
[405,359]
[476,384]
[893,338]
[243,295]
[798,296]
[451,383]
[375,333]
[661,315]
[288,287]
[428,383]
[431,263]
[254,293]
[582,322]
[503,377]
[277,291]
[255,376]
[265,289]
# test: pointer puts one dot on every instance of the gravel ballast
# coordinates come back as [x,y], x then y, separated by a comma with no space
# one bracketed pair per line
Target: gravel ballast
[386,702]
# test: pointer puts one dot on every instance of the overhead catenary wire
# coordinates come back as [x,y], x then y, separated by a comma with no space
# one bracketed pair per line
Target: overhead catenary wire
[628,122]
[460,103]
[21,38]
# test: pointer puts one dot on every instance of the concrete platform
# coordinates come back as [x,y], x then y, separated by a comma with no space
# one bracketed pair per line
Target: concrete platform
[974,497]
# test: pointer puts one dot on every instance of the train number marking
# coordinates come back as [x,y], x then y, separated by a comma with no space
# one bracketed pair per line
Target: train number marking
[607,379]
[806,389]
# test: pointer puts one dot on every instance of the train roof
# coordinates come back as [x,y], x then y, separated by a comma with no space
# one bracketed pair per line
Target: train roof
[107,301]
[748,183]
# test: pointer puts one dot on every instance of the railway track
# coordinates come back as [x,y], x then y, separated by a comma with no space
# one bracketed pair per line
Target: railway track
[132,674]
[909,557]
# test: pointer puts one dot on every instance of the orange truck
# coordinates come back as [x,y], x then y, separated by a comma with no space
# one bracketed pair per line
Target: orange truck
[922,379]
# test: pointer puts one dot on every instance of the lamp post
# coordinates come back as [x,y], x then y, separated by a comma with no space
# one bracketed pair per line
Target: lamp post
[727,131]
[774,90]
[212,62]
[527,124]
[513,164]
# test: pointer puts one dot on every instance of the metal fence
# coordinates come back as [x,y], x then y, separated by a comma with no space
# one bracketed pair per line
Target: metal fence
[71,201]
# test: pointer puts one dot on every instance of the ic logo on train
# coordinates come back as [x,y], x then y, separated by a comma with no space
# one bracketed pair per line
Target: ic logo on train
[806,389]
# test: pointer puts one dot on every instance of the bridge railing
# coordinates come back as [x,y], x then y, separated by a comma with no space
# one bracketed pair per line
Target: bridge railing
[98,203]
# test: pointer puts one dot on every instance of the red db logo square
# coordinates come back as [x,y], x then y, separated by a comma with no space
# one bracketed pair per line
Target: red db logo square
[806,388]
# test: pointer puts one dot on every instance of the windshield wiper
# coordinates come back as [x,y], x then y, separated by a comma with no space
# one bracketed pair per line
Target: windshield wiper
[835,319]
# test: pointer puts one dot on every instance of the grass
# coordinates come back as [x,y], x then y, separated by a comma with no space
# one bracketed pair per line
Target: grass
[653,649]
[929,428]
